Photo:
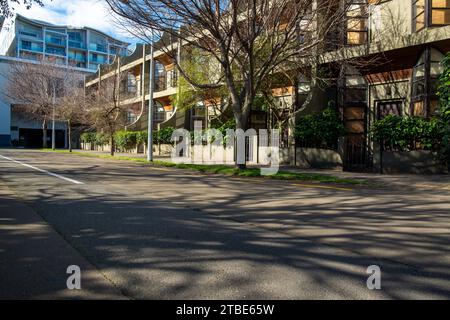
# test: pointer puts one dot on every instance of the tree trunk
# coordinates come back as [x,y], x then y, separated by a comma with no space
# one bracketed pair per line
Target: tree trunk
[44,133]
[69,134]
[112,144]
[241,123]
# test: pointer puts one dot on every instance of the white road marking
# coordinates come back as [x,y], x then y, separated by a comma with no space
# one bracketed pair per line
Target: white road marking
[42,170]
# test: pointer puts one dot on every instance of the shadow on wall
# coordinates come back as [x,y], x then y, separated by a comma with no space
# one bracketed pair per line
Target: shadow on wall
[416,162]
[318,158]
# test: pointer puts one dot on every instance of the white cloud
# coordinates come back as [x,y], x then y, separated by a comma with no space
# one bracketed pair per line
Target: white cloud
[77,13]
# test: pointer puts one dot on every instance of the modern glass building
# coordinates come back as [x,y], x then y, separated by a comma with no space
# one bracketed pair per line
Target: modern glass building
[83,48]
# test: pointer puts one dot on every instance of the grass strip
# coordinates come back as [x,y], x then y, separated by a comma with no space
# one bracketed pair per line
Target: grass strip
[230,170]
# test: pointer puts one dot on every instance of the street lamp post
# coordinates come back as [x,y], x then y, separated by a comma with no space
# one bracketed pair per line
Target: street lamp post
[150,106]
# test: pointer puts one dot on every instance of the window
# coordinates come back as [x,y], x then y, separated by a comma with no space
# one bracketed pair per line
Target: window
[357,23]
[173,77]
[131,83]
[159,113]
[418,14]
[428,13]
[389,107]
[440,12]
[160,77]
[131,117]
[425,76]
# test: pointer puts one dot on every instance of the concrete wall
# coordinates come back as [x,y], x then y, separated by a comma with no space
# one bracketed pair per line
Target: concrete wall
[418,162]
[317,158]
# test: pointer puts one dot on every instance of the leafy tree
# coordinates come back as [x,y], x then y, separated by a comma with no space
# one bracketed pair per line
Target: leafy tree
[444,111]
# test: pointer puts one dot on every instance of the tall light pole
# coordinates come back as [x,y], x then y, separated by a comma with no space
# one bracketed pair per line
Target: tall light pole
[150,106]
[53,116]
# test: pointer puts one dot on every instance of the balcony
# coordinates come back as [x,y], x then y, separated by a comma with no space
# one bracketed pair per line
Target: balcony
[77,45]
[99,60]
[55,41]
[98,47]
[159,116]
[77,58]
[30,34]
[25,45]
[160,84]
[55,51]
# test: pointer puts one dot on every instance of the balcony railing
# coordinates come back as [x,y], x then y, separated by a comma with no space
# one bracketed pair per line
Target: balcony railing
[55,51]
[55,41]
[31,34]
[76,44]
[159,116]
[32,47]
[77,58]
[160,84]
[98,47]
[98,60]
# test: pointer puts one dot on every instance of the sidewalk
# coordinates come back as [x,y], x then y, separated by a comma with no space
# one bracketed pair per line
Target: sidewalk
[396,181]
[34,258]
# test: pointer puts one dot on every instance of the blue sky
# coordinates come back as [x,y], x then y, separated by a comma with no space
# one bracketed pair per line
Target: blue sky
[77,13]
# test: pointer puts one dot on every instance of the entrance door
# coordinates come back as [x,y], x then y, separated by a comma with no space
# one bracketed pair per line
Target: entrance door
[357,156]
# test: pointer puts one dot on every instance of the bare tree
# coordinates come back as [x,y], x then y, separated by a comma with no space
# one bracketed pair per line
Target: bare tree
[249,39]
[72,105]
[105,113]
[35,89]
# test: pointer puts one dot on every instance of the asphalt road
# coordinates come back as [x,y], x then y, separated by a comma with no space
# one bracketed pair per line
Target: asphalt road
[161,233]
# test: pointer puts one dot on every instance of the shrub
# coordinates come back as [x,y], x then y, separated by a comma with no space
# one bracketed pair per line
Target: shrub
[88,137]
[407,133]
[126,140]
[141,137]
[444,111]
[163,136]
[101,139]
[320,130]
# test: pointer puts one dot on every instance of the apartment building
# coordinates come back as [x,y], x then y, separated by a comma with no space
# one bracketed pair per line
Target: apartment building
[83,48]
[24,40]
[387,61]
[399,45]
[135,88]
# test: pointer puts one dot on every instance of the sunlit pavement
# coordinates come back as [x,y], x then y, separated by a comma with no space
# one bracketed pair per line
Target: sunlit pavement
[167,233]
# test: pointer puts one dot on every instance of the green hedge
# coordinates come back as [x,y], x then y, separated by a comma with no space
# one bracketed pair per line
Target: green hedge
[407,133]
[126,140]
[129,140]
[98,139]
[320,130]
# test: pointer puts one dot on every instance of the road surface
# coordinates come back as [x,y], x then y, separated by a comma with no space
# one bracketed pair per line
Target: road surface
[163,233]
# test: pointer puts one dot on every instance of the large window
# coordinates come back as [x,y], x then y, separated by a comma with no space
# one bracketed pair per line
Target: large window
[424,83]
[357,22]
[429,13]
[160,77]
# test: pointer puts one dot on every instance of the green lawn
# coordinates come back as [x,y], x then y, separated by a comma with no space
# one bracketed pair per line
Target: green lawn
[230,170]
